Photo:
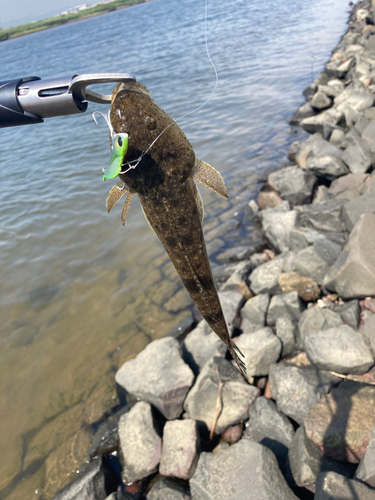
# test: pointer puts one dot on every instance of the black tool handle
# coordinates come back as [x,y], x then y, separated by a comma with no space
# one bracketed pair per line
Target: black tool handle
[11,112]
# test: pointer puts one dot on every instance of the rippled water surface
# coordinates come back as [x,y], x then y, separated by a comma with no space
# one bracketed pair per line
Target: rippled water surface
[79,294]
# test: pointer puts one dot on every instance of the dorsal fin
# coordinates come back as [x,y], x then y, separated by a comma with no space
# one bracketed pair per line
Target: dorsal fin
[209,177]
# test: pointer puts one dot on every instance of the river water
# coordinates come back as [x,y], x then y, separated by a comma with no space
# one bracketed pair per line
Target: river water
[80,294]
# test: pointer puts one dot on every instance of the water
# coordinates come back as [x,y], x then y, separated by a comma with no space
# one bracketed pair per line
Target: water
[79,294]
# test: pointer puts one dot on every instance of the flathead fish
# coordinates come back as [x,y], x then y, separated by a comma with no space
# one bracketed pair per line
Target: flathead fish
[164,176]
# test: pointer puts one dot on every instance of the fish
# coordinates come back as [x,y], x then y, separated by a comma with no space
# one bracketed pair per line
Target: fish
[160,166]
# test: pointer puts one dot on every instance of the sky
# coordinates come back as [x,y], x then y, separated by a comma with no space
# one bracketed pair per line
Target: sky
[13,12]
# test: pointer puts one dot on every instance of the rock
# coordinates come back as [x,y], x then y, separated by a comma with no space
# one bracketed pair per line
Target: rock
[264,279]
[346,187]
[341,422]
[358,100]
[234,283]
[366,468]
[140,443]
[308,262]
[349,312]
[368,330]
[232,434]
[214,246]
[261,349]
[369,136]
[268,198]
[298,389]
[331,485]
[159,376]
[321,101]
[270,428]
[339,69]
[306,287]
[353,209]
[180,450]
[338,139]
[331,90]
[303,237]
[322,217]
[167,489]
[286,331]
[237,396]
[245,471]
[302,112]
[324,148]
[340,349]
[231,303]
[316,319]
[293,184]
[304,150]
[200,345]
[353,274]
[96,483]
[254,313]
[284,305]
[357,157]
[315,123]
[277,226]
[241,252]
[304,459]
[328,167]
[222,229]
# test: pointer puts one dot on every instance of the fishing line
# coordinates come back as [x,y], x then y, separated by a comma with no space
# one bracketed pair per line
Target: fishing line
[139,159]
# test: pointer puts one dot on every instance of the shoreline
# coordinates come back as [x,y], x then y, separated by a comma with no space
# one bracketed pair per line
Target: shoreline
[286,314]
[54,22]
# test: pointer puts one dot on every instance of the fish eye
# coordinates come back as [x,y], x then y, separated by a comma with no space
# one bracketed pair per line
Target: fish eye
[119,141]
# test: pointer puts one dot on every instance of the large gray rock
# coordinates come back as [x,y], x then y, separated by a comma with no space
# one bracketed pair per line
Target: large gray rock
[304,459]
[333,486]
[231,302]
[354,208]
[349,311]
[264,279]
[297,389]
[140,443]
[269,427]
[340,349]
[357,157]
[167,489]
[261,349]
[287,305]
[321,101]
[254,313]
[327,166]
[369,136]
[353,274]
[277,226]
[159,376]
[244,471]
[316,319]
[342,421]
[366,468]
[236,278]
[304,149]
[346,187]
[294,184]
[236,397]
[200,345]
[322,217]
[180,450]
[309,262]
[368,330]
[286,331]
[313,124]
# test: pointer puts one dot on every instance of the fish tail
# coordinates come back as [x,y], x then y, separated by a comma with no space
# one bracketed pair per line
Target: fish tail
[236,353]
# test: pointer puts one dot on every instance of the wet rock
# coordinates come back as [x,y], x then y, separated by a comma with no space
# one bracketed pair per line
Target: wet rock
[222,229]
[241,252]
[302,112]
[293,184]
[214,246]
[341,422]
[297,389]
[159,376]
[353,209]
[168,489]
[180,449]
[140,443]
[321,101]
[254,313]
[96,483]
[304,459]
[353,274]
[286,331]
[322,217]
[277,226]
[233,433]
[232,470]
[268,198]
[306,287]
[270,428]
[316,319]
[331,485]
[315,123]
[200,345]
[285,305]
[366,468]
[237,396]
[261,349]
[340,349]
[349,311]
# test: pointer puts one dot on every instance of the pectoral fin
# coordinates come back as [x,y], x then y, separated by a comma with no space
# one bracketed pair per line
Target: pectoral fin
[115,194]
[126,207]
[209,177]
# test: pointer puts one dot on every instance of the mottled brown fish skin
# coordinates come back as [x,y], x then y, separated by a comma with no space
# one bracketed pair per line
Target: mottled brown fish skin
[168,197]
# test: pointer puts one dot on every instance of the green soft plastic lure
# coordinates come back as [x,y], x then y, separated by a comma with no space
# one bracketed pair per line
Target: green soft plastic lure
[120,143]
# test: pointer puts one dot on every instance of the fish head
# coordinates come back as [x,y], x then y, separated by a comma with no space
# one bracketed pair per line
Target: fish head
[120,144]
